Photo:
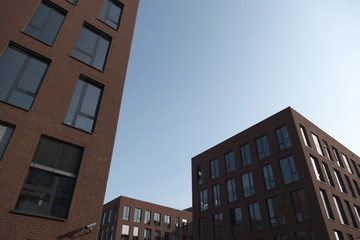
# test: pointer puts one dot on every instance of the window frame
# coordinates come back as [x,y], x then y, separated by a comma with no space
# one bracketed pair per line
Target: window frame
[106,15]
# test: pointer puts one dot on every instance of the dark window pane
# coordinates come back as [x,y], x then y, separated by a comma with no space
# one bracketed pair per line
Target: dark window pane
[110,13]
[5,135]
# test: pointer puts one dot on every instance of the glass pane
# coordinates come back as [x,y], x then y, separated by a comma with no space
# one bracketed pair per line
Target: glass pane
[32,75]
[32,201]
[90,100]
[74,103]
[86,42]
[40,178]
[52,28]
[21,100]
[101,53]
[84,123]
[62,198]
[38,19]
[81,56]
[104,10]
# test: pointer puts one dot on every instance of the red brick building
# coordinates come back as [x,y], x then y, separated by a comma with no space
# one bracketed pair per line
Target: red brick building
[283,178]
[62,72]
[130,219]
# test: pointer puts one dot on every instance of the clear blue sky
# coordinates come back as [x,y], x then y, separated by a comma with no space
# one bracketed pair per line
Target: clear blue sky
[201,71]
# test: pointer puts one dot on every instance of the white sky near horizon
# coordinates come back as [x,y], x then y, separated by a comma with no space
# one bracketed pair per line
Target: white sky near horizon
[202,71]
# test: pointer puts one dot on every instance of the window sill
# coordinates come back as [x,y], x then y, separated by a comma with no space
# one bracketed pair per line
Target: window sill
[26,110]
[47,44]
[79,60]
[115,29]
[91,133]
[14,211]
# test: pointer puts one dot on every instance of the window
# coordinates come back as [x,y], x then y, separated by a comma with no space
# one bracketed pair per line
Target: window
[136,233]
[304,135]
[283,138]
[184,225]
[111,13]
[350,186]
[109,215]
[237,221]
[157,235]
[177,223]
[262,147]
[199,175]
[147,217]
[340,210]
[73,1]
[157,219]
[255,217]
[115,213]
[92,47]
[125,231]
[327,151]
[218,221]
[6,131]
[280,237]
[203,200]
[84,106]
[288,170]
[317,144]
[137,215]
[216,195]
[231,190]
[248,184]
[337,157]
[230,162]
[355,167]
[103,217]
[340,181]
[328,174]
[167,236]
[214,169]
[354,223]
[300,205]
[275,211]
[317,169]
[147,234]
[50,182]
[326,203]
[357,212]
[347,165]
[357,187]
[126,213]
[245,155]
[21,77]
[111,235]
[167,221]
[349,236]
[268,177]
[201,229]
[338,235]
[305,235]
[45,23]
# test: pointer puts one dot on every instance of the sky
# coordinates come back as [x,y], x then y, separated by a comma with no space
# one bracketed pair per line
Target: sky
[201,71]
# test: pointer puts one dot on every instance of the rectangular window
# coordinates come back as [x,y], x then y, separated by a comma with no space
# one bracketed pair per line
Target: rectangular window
[231,190]
[268,177]
[340,181]
[245,155]
[348,206]
[283,138]
[184,225]
[167,221]
[115,213]
[216,195]
[92,47]
[218,221]
[230,162]
[167,236]
[177,223]
[340,210]
[356,168]
[317,144]
[248,184]
[21,76]
[157,235]
[326,204]
[327,151]
[214,169]
[288,170]
[201,229]
[328,174]
[262,147]
[199,175]
[6,131]
[103,217]
[136,233]
[275,211]
[157,219]
[255,217]
[125,231]
[337,157]
[109,215]
[126,213]
[237,221]
[300,205]
[50,182]
[147,234]
[137,215]
[347,165]
[304,135]
[305,235]
[357,212]
[357,187]
[203,200]
[46,22]
[84,106]
[316,166]
[73,1]
[147,217]
[338,235]
[111,13]
[350,186]
[175,236]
